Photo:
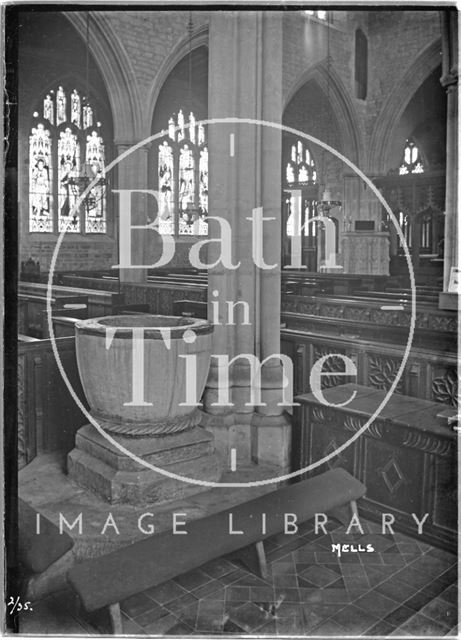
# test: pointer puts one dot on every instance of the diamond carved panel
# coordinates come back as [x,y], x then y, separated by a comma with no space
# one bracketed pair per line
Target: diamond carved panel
[392,475]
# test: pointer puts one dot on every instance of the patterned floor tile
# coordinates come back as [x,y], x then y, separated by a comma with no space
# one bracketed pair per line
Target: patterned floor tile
[381,628]
[211,590]
[188,614]
[396,589]
[320,576]
[249,617]
[399,616]
[354,619]
[450,594]
[442,612]
[281,568]
[287,595]
[315,615]
[412,576]
[137,604]
[290,626]
[289,580]
[179,629]
[218,568]
[380,543]
[162,625]
[165,592]
[419,600]
[146,619]
[329,628]
[181,603]
[192,579]
[262,594]
[379,604]
[237,594]
[418,625]
[210,616]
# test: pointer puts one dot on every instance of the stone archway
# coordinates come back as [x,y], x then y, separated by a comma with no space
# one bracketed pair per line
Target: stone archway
[382,139]
[115,67]
[342,106]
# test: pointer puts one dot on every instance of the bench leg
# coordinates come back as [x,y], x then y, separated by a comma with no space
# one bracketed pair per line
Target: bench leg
[115,619]
[354,510]
[254,558]
[262,562]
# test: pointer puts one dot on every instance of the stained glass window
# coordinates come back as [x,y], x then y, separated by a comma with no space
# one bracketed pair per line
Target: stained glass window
[95,219]
[40,179]
[182,176]
[64,137]
[321,15]
[300,174]
[300,169]
[68,168]
[411,162]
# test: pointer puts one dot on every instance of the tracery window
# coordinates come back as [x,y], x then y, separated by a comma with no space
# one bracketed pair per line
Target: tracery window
[300,169]
[182,174]
[65,142]
[301,173]
[411,162]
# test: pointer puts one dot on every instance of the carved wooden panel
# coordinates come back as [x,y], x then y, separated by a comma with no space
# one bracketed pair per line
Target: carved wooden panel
[382,372]
[393,476]
[407,469]
[428,374]
[445,387]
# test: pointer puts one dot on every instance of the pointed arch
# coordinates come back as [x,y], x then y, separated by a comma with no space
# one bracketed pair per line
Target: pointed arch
[198,39]
[341,104]
[117,71]
[382,139]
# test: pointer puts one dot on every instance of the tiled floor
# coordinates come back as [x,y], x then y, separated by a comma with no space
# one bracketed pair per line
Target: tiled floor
[403,588]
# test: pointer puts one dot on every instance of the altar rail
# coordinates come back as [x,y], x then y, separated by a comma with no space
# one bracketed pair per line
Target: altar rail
[47,414]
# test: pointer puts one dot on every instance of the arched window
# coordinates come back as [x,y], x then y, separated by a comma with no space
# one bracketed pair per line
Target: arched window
[301,173]
[65,144]
[321,15]
[182,173]
[411,162]
[361,65]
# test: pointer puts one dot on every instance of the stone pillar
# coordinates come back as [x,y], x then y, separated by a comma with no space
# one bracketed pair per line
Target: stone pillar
[245,81]
[132,173]
[449,80]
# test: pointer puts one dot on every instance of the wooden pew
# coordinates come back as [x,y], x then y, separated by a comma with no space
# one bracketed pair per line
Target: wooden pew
[190,308]
[47,414]
[107,580]
[24,338]
[33,307]
[100,302]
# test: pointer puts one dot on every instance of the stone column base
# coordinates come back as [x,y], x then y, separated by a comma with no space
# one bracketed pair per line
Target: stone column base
[99,466]
[255,437]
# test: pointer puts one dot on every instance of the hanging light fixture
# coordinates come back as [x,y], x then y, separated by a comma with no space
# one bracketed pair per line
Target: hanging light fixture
[90,169]
[326,203]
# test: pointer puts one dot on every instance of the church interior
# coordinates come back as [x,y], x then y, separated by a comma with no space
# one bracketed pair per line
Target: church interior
[235,319]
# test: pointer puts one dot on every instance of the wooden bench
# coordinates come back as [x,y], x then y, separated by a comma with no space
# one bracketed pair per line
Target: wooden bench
[107,580]
[37,552]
